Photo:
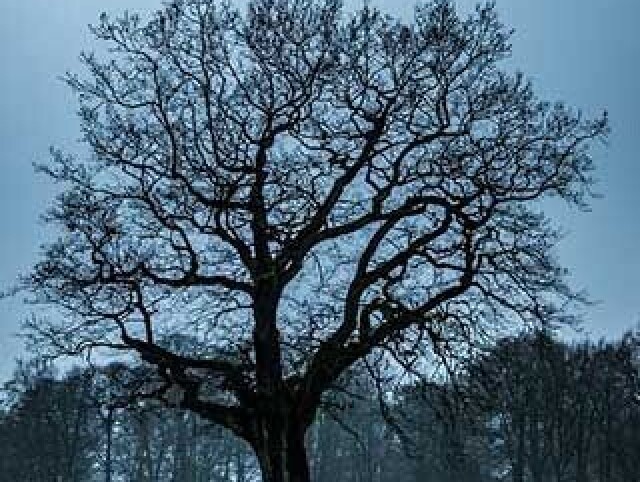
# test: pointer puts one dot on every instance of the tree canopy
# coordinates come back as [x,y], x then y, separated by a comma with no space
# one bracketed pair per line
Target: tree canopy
[295,188]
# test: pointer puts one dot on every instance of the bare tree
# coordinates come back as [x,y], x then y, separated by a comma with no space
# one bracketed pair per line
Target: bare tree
[299,188]
[46,429]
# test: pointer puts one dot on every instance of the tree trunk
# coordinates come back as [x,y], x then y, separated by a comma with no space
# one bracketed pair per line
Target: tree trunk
[240,465]
[144,461]
[108,455]
[282,453]
[181,457]
[520,457]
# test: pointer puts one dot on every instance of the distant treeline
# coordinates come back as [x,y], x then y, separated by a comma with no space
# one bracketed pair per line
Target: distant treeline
[530,409]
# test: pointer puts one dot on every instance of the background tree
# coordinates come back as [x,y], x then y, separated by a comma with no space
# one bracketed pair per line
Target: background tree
[300,188]
[49,432]
[444,438]
[559,412]
[544,411]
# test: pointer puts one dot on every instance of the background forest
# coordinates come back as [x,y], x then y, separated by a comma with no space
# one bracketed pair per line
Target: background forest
[532,409]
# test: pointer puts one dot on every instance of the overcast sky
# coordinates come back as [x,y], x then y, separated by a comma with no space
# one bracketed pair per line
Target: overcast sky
[585,52]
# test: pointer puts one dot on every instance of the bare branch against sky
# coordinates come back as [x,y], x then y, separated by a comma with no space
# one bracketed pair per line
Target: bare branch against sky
[581,51]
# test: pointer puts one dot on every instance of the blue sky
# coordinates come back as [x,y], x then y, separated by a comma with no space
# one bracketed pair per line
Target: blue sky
[585,52]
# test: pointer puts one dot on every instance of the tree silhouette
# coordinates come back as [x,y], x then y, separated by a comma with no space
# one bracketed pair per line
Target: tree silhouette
[297,189]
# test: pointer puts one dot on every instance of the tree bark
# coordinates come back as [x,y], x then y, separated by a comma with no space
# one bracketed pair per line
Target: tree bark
[281,451]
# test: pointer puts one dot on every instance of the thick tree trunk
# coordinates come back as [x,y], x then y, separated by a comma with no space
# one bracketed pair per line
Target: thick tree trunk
[282,453]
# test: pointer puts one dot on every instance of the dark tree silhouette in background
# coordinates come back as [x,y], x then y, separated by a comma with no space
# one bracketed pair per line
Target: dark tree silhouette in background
[46,433]
[539,410]
[297,189]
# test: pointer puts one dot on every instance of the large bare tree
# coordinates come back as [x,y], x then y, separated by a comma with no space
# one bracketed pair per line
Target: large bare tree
[294,189]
